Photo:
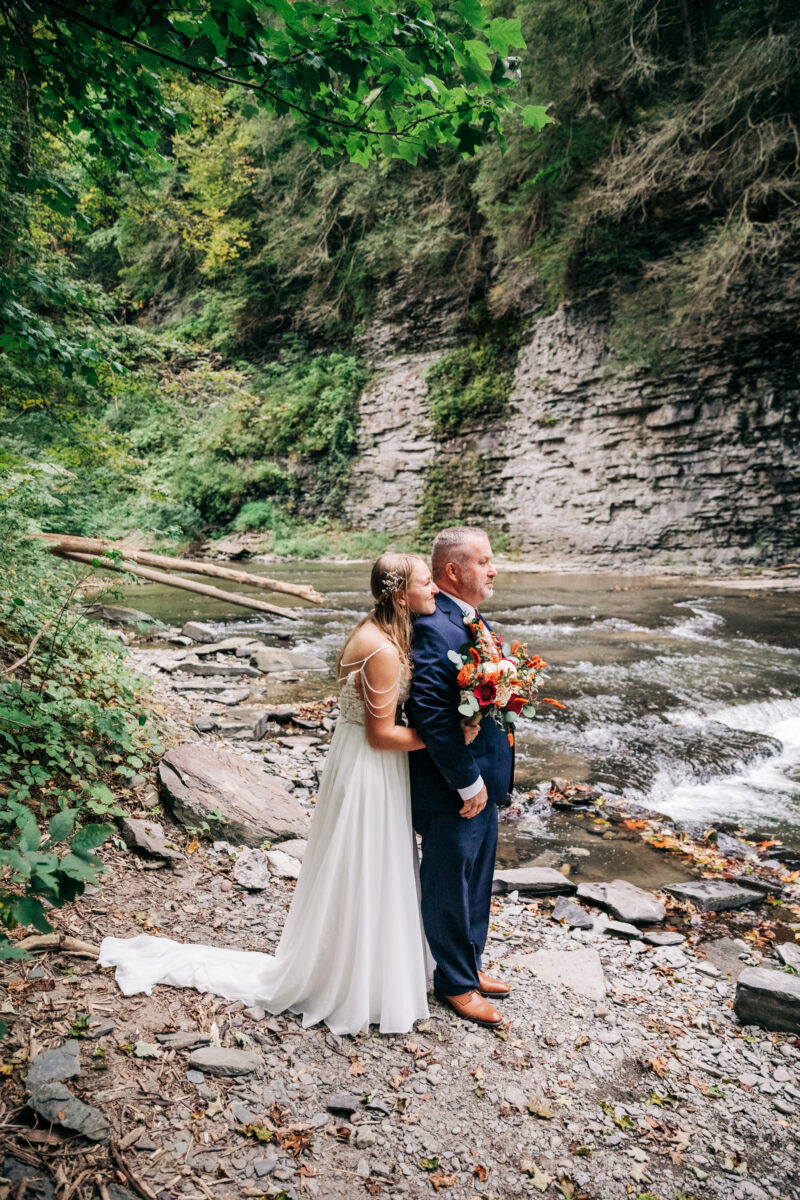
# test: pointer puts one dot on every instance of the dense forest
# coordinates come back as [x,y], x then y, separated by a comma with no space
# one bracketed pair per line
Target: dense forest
[191,278]
[184,336]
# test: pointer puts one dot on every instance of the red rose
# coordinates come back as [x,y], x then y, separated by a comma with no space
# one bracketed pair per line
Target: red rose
[516,704]
[485,692]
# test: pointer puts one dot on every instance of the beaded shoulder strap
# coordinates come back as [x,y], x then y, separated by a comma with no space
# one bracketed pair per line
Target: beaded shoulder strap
[376,708]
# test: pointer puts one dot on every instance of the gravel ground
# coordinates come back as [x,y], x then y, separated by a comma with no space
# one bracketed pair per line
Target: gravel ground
[646,1087]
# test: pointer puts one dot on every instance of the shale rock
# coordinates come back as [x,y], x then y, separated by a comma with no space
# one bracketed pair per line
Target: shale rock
[198,780]
[56,1104]
[770,999]
[624,901]
[533,881]
[149,837]
[580,970]
[54,1066]
[714,895]
[218,1060]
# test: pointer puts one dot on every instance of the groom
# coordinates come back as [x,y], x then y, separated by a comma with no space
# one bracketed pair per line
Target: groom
[455,789]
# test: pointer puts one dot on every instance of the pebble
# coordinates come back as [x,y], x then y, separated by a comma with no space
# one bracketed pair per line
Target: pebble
[364,1137]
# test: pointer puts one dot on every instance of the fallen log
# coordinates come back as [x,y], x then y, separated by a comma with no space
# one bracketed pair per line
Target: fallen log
[188,585]
[191,566]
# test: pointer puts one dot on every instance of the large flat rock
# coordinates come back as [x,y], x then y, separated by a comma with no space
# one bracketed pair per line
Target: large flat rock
[625,901]
[533,881]
[770,999]
[198,781]
[714,895]
[580,970]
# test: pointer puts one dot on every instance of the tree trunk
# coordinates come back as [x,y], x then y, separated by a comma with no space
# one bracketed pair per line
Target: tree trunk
[104,545]
[187,585]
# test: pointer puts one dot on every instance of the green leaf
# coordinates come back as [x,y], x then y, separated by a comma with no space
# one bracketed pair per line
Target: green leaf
[504,32]
[89,838]
[535,115]
[29,838]
[62,824]
[27,910]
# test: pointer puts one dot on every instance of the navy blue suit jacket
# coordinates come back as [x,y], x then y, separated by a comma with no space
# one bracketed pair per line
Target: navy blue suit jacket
[447,763]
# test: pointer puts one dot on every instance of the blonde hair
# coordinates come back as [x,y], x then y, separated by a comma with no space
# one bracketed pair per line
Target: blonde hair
[391,573]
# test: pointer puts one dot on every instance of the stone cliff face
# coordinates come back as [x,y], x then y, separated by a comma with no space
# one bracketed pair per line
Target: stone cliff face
[701,463]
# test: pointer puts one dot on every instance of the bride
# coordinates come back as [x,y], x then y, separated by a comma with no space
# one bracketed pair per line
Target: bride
[353,951]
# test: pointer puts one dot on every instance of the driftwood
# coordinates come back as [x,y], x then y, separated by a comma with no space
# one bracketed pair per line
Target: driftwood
[188,585]
[58,941]
[102,546]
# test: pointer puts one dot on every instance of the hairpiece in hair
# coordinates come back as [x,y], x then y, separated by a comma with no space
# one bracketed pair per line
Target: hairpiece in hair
[392,582]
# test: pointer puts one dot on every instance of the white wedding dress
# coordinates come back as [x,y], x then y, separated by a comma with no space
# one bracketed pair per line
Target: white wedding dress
[353,951]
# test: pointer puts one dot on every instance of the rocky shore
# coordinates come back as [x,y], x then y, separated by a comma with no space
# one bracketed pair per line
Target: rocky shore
[650,1048]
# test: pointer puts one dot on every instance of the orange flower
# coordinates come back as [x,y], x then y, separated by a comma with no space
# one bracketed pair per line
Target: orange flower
[476,658]
[555,703]
[511,739]
[514,647]
[464,675]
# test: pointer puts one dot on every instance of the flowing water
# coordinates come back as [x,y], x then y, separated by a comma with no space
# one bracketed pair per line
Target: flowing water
[684,697]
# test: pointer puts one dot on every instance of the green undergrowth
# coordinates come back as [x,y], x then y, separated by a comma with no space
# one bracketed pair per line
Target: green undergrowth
[471,384]
[74,724]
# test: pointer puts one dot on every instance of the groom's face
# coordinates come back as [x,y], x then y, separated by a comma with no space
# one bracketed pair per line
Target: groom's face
[475,572]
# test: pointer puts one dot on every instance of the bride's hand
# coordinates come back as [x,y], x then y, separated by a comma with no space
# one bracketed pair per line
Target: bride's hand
[470,732]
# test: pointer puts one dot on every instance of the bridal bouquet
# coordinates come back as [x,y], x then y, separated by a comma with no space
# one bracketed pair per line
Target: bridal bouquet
[495,683]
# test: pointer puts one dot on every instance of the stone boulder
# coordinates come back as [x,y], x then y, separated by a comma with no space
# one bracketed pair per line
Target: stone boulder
[770,999]
[235,798]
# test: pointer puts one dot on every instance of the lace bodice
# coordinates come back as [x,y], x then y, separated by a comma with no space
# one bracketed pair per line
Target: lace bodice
[356,692]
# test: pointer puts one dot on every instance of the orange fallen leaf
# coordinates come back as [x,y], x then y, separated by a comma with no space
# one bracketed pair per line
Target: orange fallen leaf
[481,1173]
[440,1180]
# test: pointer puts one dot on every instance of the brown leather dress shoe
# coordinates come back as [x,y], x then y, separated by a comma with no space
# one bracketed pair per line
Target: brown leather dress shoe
[493,988]
[471,1006]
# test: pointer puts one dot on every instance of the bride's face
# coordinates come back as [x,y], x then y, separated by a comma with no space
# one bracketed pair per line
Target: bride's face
[419,594]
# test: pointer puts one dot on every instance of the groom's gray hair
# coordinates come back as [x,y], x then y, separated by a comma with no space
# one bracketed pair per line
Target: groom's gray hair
[449,545]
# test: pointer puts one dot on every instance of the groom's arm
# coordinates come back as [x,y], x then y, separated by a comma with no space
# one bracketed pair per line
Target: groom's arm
[433,703]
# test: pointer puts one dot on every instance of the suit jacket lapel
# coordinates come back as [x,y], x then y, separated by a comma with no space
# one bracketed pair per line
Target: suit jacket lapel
[451,610]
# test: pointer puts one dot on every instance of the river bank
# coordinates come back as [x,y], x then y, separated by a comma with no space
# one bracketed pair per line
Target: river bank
[622,1069]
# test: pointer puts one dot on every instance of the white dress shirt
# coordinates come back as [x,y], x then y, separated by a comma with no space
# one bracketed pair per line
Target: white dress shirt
[466,793]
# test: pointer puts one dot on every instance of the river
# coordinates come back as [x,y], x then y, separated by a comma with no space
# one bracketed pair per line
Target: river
[682,696]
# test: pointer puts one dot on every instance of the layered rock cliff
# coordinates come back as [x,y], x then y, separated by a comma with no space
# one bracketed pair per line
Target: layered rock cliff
[593,461]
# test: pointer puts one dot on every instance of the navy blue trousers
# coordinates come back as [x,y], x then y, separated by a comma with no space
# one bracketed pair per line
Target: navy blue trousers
[456,874]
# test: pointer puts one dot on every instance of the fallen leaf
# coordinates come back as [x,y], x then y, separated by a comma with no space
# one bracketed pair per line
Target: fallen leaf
[540,1179]
[660,1065]
[192,847]
[440,1180]
[540,1106]
[357,1067]
[429,1164]
[481,1173]
[147,1050]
